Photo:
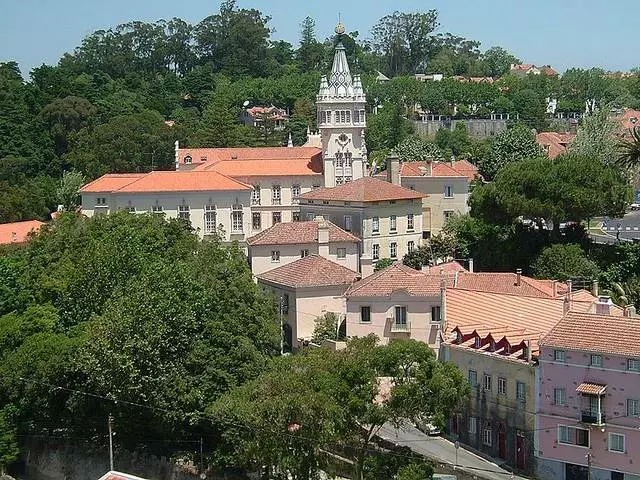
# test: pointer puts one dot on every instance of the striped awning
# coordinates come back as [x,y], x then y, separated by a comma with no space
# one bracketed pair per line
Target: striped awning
[591,389]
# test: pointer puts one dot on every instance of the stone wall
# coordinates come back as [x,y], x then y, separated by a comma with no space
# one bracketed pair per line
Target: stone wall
[477,128]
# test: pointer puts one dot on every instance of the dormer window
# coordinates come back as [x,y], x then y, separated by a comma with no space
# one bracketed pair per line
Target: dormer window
[478,342]
[187,159]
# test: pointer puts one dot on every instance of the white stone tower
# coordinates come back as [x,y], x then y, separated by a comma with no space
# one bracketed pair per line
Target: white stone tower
[341,121]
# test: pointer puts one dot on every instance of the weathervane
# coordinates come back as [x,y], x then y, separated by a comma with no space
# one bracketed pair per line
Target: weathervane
[339,27]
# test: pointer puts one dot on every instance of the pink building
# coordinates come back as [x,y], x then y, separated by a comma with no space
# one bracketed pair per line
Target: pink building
[588,419]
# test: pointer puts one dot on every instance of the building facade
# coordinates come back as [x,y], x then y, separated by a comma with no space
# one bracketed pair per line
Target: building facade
[589,398]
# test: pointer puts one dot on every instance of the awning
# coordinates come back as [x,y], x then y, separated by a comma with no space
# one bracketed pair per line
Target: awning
[591,389]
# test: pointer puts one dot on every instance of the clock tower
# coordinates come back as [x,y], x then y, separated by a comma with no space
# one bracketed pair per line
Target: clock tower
[341,121]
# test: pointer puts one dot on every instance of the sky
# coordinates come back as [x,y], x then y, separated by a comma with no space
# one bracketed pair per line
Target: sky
[562,33]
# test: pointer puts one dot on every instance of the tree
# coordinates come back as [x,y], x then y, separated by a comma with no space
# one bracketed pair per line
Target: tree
[8,438]
[310,53]
[564,262]
[629,157]
[326,328]
[497,61]
[597,137]
[404,40]
[417,258]
[382,264]
[511,145]
[387,128]
[66,116]
[415,149]
[69,190]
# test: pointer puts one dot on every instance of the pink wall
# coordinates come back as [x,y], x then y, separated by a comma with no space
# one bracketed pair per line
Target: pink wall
[621,385]
[418,316]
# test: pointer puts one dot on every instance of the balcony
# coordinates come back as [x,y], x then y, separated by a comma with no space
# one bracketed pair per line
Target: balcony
[591,417]
[275,201]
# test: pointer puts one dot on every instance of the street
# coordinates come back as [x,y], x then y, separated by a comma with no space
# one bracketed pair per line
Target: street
[444,451]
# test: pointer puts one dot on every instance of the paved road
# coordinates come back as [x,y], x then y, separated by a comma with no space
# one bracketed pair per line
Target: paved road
[443,451]
[628,226]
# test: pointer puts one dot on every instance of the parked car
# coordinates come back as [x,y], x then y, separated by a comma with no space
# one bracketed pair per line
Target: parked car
[426,425]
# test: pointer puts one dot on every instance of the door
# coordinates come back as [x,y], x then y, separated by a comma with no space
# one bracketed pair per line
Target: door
[502,441]
[520,451]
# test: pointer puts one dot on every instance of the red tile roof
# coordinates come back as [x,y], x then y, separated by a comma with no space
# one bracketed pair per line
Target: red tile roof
[554,143]
[438,169]
[548,71]
[590,332]
[111,182]
[447,267]
[165,181]
[310,271]
[466,168]
[300,233]
[18,232]
[367,189]
[591,388]
[397,278]
[507,283]
[260,161]
[629,119]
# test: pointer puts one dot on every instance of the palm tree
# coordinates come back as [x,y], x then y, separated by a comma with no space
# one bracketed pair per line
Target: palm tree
[630,150]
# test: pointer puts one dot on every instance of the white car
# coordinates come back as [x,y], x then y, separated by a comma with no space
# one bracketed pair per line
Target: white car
[635,206]
[425,425]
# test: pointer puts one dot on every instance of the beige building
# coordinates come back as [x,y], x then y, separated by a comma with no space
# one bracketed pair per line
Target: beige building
[285,243]
[386,217]
[397,302]
[212,202]
[307,289]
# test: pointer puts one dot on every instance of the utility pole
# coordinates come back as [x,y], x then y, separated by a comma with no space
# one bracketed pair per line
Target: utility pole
[588,455]
[281,328]
[110,425]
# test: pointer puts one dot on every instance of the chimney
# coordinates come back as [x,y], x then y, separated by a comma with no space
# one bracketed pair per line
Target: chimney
[594,288]
[603,305]
[393,169]
[554,288]
[14,237]
[518,275]
[471,265]
[570,290]
[323,237]
[630,311]
[566,305]
[528,350]
[290,141]
[366,265]
[177,157]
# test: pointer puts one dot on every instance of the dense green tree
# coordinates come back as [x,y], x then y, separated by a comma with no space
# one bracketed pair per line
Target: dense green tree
[382,264]
[8,438]
[387,128]
[497,61]
[325,328]
[66,116]
[310,53]
[69,190]
[512,145]
[564,262]
[415,149]
[597,137]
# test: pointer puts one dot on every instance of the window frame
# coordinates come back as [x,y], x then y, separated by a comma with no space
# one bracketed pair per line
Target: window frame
[364,308]
[436,314]
[475,377]
[595,364]
[410,222]
[560,356]
[487,436]
[375,224]
[448,191]
[502,386]
[473,425]
[486,382]
[255,195]
[276,195]
[393,223]
[276,217]
[393,250]
[560,392]
[572,440]
[375,251]
[256,225]
[624,442]
[295,191]
[275,256]
[304,252]
[636,408]
[348,223]
[521,391]
[341,253]
[633,365]
[208,211]
[404,315]
[237,219]
[182,209]
[411,246]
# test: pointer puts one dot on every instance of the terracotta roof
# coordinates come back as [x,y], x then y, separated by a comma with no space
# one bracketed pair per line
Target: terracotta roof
[466,168]
[629,119]
[166,181]
[518,318]
[554,143]
[523,66]
[506,283]
[447,267]
[438,169]
[591,332]
[397,278]
[111,182]
[259,161]
[18,232]
[300,233]
[591,388]
[367,189]
[310,271]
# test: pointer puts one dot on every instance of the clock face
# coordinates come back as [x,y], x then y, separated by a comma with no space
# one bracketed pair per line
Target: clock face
[343,137]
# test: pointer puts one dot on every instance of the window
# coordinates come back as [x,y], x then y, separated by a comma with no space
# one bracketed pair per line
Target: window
[295,191]
[209,218]
[633,407]
[183,212]
[310,216]
[131,209]
[486,382]
[375,222]
[315,185]
[365,314]
[256,221]
[393,224]
[448,191]
[617,475]
[187,159]
[436,314]
[277,217]
[275,256]
[521,391]
[255,195]
[236,218]
[393,250]
[101,202]
[411,245]
[347,223]
[560,396]
[502,385]
[375,250]
[559,356]
[473,378]
[473,425]
[486,437]
[401,315]
[157,209]
[447,215]
[342,252]
[616,442]
[633,365]
[348,113]
[596,360]
[275,195]
[304,252]
[296,216]
[410,221]
[573,436]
